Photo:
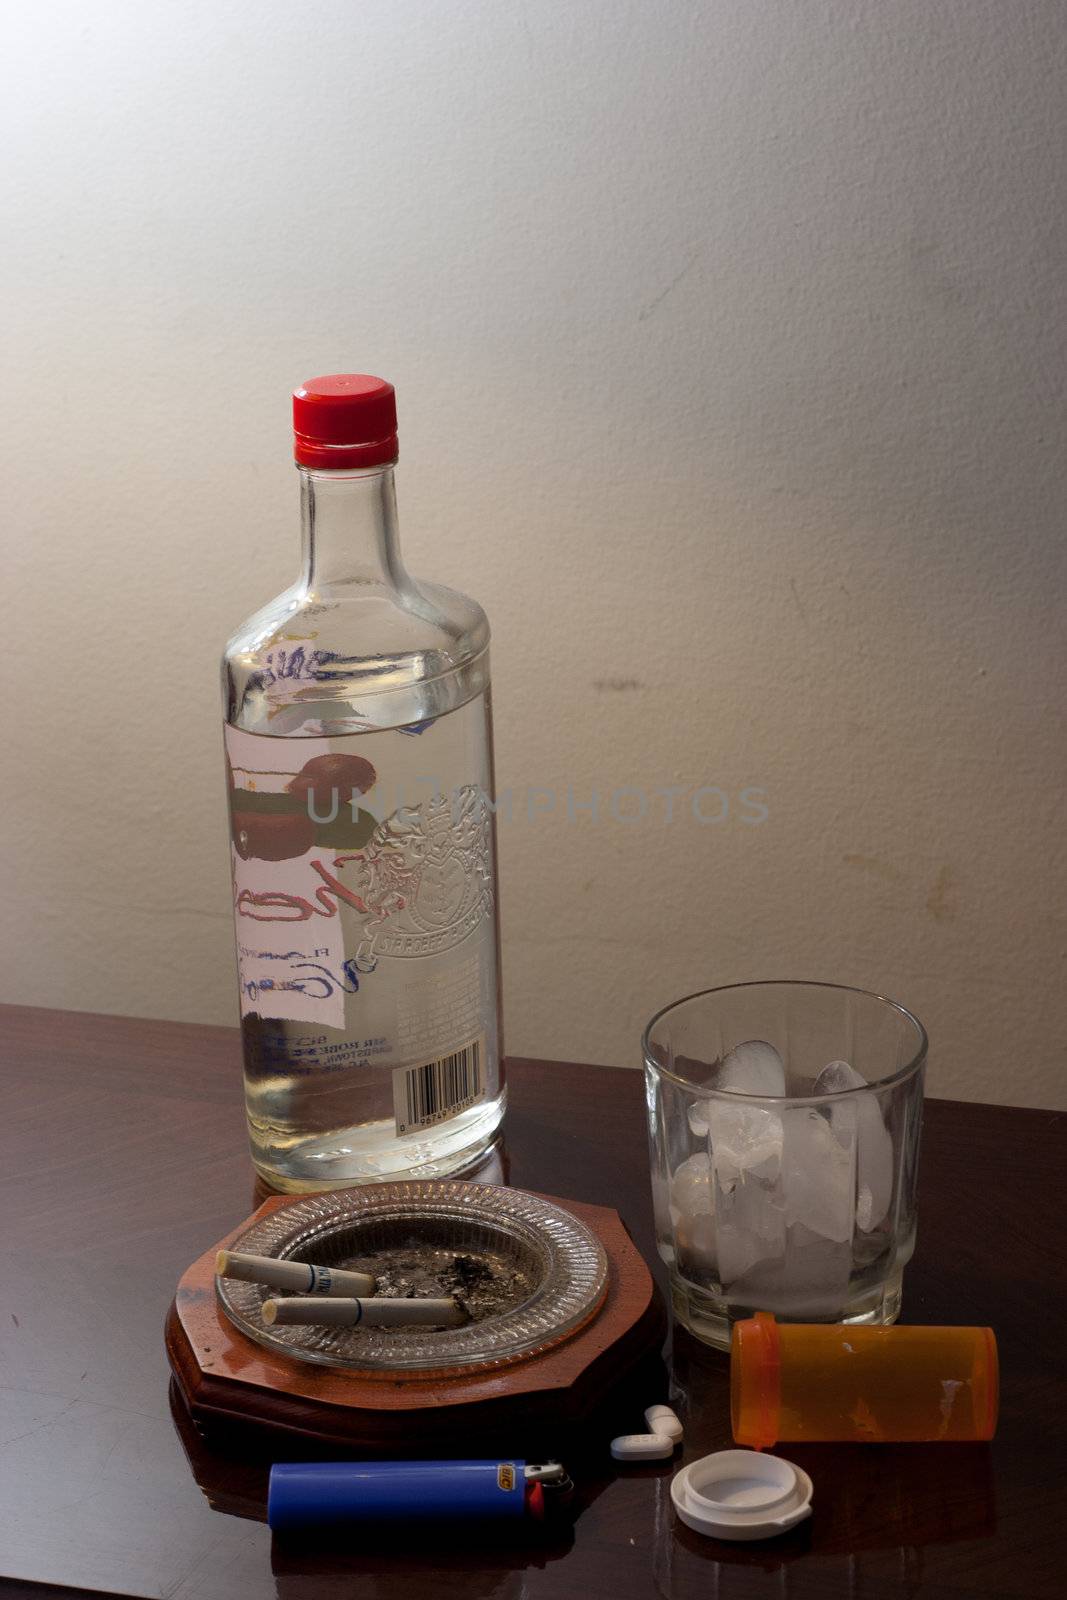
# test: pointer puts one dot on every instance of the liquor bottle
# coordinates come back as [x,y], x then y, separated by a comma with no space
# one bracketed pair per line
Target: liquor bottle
[359,764]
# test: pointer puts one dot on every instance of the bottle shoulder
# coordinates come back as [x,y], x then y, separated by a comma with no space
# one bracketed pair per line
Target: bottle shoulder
[366,620]
[353,656]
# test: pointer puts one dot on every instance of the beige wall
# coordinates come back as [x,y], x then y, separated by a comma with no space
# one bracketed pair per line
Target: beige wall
[729,342]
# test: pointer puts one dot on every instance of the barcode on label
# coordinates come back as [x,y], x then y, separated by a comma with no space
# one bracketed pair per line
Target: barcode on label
[436,1090]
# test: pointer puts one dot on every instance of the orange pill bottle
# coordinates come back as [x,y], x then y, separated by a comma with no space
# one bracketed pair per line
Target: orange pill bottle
[801,1381]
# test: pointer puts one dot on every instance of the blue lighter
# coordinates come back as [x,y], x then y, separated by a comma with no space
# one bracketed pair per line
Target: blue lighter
[317,1494]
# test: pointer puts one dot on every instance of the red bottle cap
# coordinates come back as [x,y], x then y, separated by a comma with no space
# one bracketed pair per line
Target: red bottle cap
[346,420]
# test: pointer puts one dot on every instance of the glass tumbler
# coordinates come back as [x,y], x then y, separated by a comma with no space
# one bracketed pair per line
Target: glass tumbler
[784,1122]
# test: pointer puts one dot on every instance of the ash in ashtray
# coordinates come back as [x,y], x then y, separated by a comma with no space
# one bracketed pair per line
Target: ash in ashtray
[485,1285]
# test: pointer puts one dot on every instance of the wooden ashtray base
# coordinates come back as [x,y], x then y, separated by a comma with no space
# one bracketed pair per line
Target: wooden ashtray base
[530,1406]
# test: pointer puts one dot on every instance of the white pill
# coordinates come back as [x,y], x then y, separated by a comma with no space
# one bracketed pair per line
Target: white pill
[661,1419]
[642,1447]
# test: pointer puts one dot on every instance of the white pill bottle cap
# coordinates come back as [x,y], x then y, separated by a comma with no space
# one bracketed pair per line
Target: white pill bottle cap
[741,1494]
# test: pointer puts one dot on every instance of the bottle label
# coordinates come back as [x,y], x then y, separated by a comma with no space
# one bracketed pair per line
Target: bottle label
[363,902]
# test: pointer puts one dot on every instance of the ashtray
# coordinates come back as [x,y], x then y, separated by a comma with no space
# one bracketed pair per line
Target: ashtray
[527,1272]
[562,1310]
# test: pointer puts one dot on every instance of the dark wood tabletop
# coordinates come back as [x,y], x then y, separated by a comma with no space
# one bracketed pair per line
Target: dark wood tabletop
[124,1158]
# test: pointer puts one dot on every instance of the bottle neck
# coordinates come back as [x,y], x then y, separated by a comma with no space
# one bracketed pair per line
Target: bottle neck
[349,529]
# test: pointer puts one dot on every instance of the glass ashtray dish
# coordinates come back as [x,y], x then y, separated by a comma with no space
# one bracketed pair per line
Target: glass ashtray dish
[531,1273]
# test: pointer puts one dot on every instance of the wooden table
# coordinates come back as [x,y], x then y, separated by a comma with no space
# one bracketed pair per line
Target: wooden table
[124,1157]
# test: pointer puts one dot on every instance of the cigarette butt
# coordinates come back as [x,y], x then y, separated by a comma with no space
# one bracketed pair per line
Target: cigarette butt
[299,1277]
[377,1313]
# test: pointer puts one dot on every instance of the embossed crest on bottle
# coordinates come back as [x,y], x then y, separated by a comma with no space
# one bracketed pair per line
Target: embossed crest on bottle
[428,875]
[360,782]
